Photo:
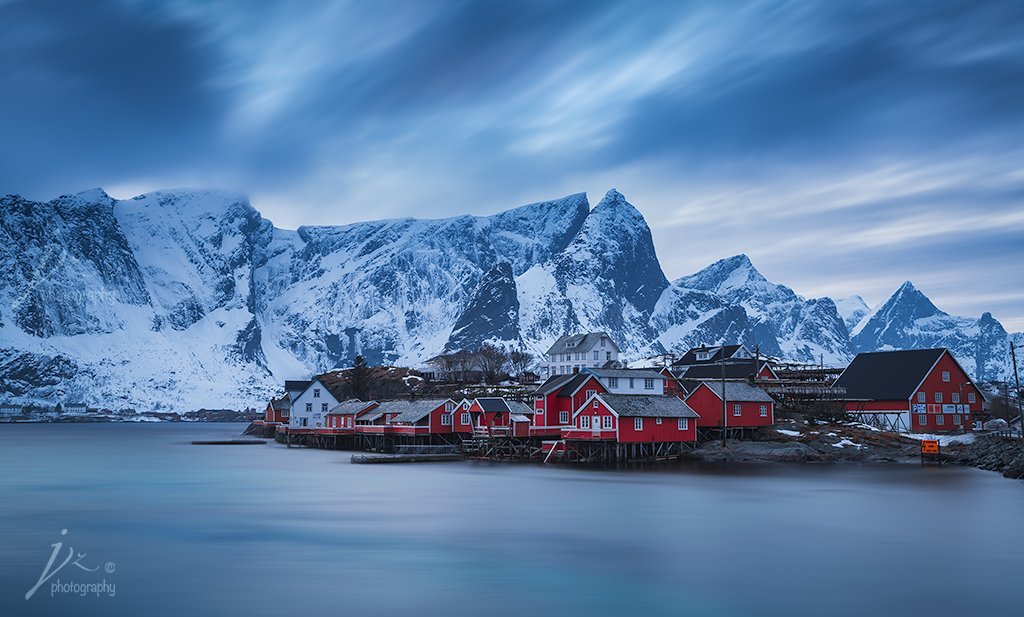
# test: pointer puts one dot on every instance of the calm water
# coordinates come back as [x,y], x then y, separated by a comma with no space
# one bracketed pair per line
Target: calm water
[263,530]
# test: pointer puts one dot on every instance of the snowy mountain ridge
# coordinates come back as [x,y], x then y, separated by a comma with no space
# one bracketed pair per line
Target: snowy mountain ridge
[177,300]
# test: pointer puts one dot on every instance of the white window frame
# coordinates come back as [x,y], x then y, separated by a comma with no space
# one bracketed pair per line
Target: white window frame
[591,393]
[940,420]
[596,356]
[638,424]
[595,403]
[938,397]
[465,418]
[607,422]
[446,419]
[955,397]
[922,397]
[922,419]
[449,406]
[945,376]
[972,398]
[648,383]
[956,419]
[764,411]
[613,382]
[631,385]
[584,421]
[563,417]
[684,424]
[316,392]
[657,420]
[737,410]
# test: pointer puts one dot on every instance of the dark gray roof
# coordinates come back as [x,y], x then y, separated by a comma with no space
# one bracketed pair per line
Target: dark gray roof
[492,404]
[626,373]
[648,406]
[520,407]
[574,384]
[411,411]
[572,343]
[281,404]
[733,370]
[690,357]
[293,385]
[739,391]
[551,384]
[887,375]
[350,406]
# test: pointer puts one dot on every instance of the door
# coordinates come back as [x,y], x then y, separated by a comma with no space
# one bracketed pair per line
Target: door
[595,426]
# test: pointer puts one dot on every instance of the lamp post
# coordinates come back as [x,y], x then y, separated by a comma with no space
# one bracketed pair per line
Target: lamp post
[1016,380]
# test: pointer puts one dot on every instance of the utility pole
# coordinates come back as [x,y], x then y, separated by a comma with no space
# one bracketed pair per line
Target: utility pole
[725,415]
[1016,380]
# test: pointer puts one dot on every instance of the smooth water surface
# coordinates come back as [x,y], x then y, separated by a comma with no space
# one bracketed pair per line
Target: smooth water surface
[267,530]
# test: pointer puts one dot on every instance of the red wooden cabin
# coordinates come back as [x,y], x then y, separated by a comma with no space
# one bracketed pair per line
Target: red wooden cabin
[557,398]
[926,389]
[420,417]
[277,411]
[494,414]
[341,419]
[633,418]
[745,405]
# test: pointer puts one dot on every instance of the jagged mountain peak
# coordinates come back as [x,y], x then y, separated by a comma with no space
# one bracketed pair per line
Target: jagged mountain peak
[90,196]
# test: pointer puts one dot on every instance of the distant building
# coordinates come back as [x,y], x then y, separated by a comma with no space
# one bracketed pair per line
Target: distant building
[75,409]
[9,410]
[922,390]
[744,405]
[574,352]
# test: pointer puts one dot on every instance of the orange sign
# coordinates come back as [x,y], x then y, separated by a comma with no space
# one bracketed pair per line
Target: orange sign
[929,446]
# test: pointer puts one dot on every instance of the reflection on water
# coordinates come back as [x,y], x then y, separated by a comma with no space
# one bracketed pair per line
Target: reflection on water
[264,530]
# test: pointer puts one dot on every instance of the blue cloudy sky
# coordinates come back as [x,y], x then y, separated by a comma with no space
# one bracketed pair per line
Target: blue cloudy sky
[845,147]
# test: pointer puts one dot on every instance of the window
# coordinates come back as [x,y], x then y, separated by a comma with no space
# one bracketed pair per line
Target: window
[304,422]
[607,355]
[945,376]
[922,419]
[607,421]
[446,419]
[702,355]
[764,411]
[323,407]
[591,393]
[563,417]
[938,397]
[464,419]
[631,383]
[956,397]
[316,392]
[613,382]
[921,398]
[309,407]
[657,420]
[648,384]
[638,424]
[737,409]
[603,341]
[596,356]
[971,397]
[450,405]
[940,420]
[584,421]
[595,404]
[684,424]
[956,420]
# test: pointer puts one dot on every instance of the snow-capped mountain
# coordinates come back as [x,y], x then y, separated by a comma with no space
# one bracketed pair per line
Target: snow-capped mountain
[182,299]
[908,319]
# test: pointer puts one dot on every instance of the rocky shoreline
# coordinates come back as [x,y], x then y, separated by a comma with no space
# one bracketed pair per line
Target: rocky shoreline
[798,442]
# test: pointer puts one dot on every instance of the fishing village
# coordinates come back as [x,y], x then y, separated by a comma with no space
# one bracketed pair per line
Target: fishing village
[714,403]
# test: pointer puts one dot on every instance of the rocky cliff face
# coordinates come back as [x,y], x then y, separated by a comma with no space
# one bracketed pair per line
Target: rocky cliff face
[181,299]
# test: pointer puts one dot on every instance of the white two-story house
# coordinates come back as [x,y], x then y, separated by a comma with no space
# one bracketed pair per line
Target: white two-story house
[574,352]
[309,408]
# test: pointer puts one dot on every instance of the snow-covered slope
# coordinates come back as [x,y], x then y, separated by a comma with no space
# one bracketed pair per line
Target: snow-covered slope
[183,299]
[908,319]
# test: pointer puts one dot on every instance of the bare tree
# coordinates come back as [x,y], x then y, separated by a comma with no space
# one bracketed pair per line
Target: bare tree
[492,360]
[520,361]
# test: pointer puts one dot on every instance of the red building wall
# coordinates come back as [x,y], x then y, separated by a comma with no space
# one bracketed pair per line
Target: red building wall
[709,407]
[958,386]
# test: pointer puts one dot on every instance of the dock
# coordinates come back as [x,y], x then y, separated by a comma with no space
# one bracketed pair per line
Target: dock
[230,442]
[369,459]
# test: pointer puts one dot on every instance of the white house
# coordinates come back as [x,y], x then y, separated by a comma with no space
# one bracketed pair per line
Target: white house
[309,408]
[574,352]
[75,409]
[10,409]
[630,381]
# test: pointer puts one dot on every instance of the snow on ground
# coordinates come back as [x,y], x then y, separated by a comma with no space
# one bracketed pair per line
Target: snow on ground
[944,439]
[788,432]
[846,442]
